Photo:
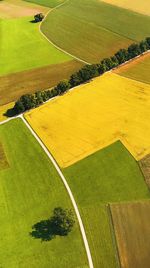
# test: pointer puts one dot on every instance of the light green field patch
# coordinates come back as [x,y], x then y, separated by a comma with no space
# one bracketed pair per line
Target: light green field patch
[23,47]
[110,175]
[29,191]
[92,30]
[3,158]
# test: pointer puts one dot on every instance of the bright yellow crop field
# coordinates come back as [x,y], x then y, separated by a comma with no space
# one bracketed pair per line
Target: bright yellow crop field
[93,116]
[135,5]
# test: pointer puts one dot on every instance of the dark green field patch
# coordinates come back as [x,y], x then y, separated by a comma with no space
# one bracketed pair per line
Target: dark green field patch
[3,158]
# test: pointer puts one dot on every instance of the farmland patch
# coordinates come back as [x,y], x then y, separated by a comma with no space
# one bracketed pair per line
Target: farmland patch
[94,115]
[92,29]
[13,86]
[137,69]
[136,5]
[131,224]
[107,176]
[47,3]
[29,191]
[32,51]
[17,9]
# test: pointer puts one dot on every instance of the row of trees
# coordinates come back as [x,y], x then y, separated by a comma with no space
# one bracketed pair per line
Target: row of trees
[86,73]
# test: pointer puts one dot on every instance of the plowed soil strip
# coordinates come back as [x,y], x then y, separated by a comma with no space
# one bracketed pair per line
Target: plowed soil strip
[14,85]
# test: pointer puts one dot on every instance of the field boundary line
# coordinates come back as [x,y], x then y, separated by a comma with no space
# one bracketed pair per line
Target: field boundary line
[89,257]
[112,230]
[52,43]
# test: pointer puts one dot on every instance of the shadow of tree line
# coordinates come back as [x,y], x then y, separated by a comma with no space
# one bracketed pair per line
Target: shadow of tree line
[10,112]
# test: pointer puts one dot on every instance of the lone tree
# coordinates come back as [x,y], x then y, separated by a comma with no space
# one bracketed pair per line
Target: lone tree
[38,17]
[63,221]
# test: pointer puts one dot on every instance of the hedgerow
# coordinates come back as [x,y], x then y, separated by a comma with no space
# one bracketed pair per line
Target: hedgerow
[87,72]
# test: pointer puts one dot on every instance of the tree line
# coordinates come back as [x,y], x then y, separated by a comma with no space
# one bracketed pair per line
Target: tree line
[87,72]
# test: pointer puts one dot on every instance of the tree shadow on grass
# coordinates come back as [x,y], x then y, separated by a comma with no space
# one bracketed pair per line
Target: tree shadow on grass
[45,230]
[33,21]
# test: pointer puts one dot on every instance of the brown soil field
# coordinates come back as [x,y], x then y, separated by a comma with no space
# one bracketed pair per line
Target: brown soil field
[145,167]
[17,8]
[12,86]
[131,225]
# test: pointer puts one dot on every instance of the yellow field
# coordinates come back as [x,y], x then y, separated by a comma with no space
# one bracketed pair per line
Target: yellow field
[93,116]
[135,5]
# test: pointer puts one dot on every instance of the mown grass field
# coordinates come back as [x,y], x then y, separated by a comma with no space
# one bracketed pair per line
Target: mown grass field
[94,115]
[12,86]
[92,29]
[24,48]
[29,190]
[138,69]
[131,224]
[47,3]
[110,175]
[136,5]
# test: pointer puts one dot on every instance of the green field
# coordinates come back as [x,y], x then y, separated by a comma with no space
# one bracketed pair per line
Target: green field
[47,3]
[92,30]
[29,190]
[139,71]
[109,175]
[23,47]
